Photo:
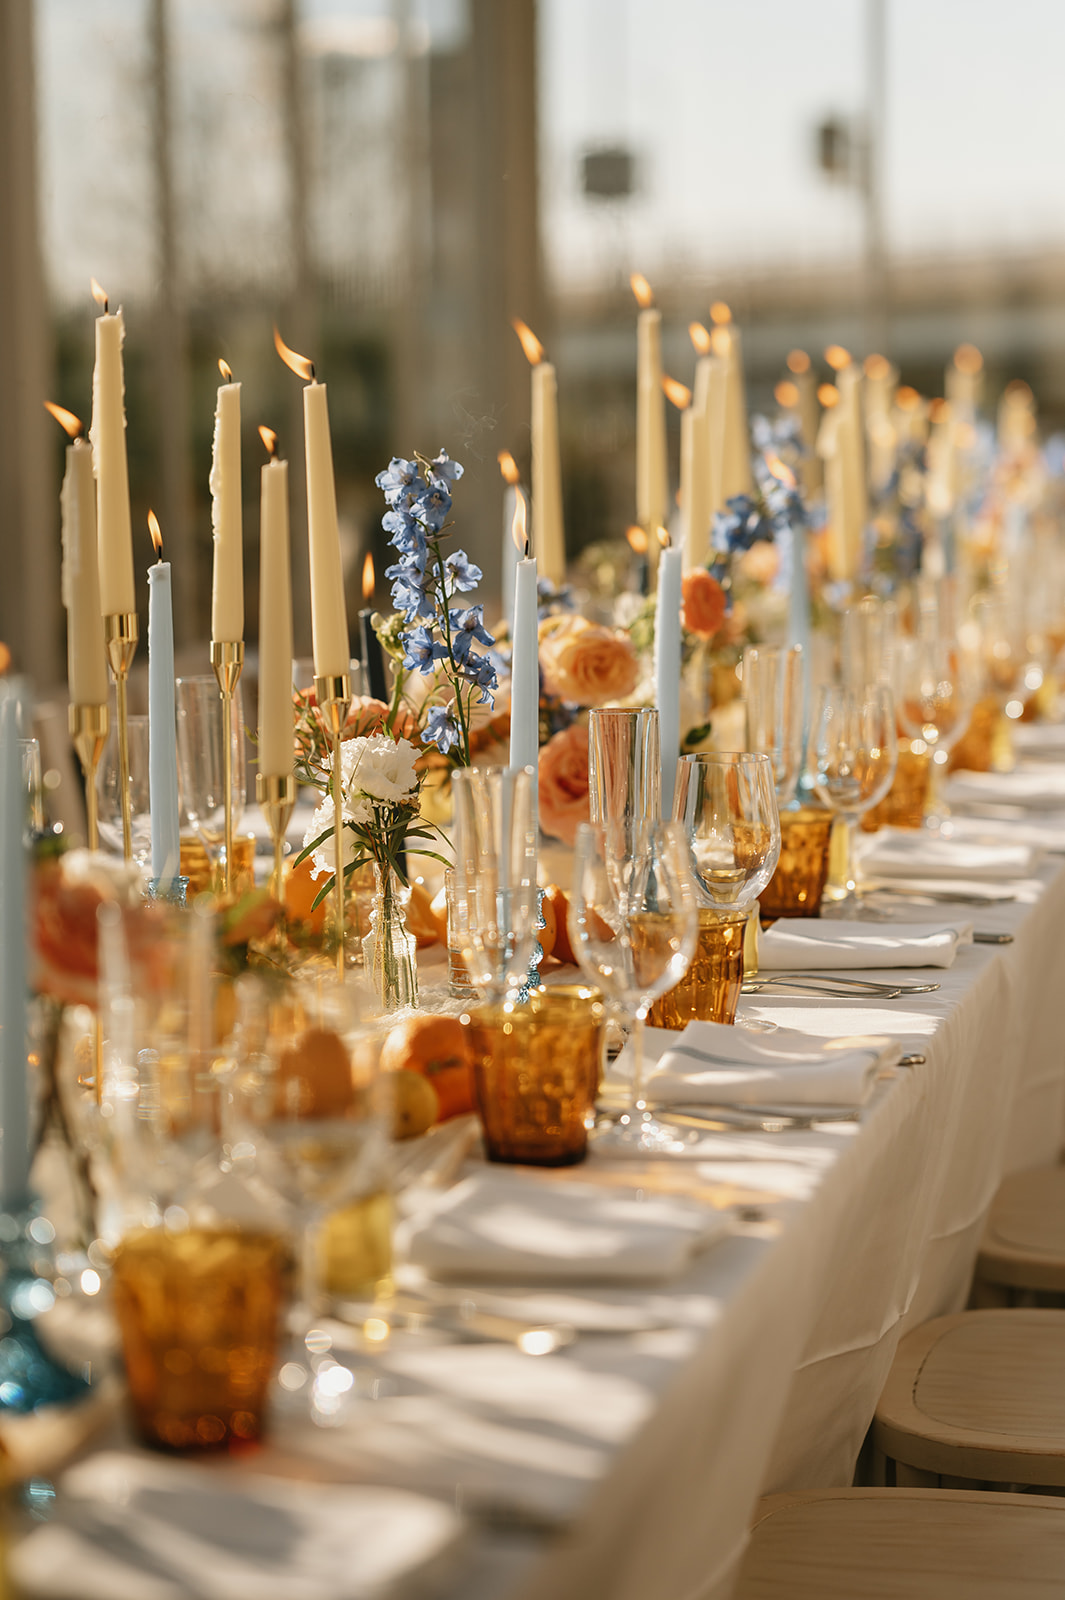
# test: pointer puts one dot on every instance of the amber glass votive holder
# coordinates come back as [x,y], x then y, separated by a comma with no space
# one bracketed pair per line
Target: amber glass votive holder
[796,887]
[536,1074]
[206,877]
[199,1312]
[710,989]
[904,804]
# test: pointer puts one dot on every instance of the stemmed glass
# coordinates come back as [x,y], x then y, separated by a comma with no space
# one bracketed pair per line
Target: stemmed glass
[624,764]
[633,927]
[496,899]
[108,791]
[310,1115]
[935,705]
[854,752]
[772,689]
[201,759]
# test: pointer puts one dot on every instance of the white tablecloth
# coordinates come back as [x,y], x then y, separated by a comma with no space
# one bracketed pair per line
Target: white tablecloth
[636,1459]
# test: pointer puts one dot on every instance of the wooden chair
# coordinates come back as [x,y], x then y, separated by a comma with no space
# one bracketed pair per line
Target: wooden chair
[905,1544]
[1024,1241]
[978,1397]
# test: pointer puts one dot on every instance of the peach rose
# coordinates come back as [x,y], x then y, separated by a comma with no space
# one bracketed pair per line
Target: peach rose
[760,563]
[702,603]
[563,783]
[586,663]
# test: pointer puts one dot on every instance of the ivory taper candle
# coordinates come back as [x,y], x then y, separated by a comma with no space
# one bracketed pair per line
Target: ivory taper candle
[227,590]
[108,436]
[162,719]
[276,716]
[86,655]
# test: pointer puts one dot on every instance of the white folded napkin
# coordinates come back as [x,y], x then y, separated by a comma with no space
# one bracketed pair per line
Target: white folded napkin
[506,1225]
[807,944]
[1039,740]
[127,1527]
[711,1064]
[1038,786]
[902,852]
[1041,830]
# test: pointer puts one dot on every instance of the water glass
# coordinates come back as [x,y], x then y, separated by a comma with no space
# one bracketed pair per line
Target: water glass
[201,758]
[624,765]
[109,791]
[495,901]
[772,686]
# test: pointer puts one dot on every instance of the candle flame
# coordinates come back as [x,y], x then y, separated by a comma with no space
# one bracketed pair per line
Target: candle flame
[677,393]
[530,344]
[939,411]
[508,466]
[700,337]
[906,398]
[645,295]
[877,368]
[156,533]
[786,394]
[99,295]
[837,357]
[519,527]
[798,362]
[828,395]
[269,439]
[663,537]
[781,471]
[225,369]
[302,366]
[1018,392]
[72,425]
[369,577]
[721,341]
[967,359]
[720,313]
[637,540]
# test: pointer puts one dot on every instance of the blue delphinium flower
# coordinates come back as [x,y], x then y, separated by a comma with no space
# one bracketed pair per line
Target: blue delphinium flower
[422,650]
[431,507]
[441,729]
[399,479]
[741,524]
[464,575]
[467,629]
[442,470]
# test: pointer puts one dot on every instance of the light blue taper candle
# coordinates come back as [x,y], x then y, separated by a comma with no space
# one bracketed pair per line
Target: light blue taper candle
[162,722]
[14,1088]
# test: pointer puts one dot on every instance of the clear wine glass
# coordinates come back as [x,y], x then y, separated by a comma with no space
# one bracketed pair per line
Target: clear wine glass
[935,705]
[854,751]
[201,759]
[633,927]
[109,791]
[496,901]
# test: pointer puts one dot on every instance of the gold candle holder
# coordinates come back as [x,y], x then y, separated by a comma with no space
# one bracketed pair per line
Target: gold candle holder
[121,633]
[277,797]
[332,693]
[89,727]
[227,659]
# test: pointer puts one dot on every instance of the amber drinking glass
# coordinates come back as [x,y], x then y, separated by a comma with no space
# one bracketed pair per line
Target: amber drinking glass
[904,804]
[710,989]
[796,887]
[199,1311]
[536,1074]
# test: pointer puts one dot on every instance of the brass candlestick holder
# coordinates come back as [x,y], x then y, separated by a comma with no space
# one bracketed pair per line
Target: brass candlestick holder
[89,727]
[121,633]
[227,659]
[276,797]
[333,696]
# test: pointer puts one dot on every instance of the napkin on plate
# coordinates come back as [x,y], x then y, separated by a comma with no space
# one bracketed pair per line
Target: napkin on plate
[1042,830]
[1038,787]
[127,1527]
[795,944]
[712,1064]
[902,852]
[504,1225]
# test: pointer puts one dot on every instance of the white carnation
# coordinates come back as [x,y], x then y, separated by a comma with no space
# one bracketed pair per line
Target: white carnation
[380,767]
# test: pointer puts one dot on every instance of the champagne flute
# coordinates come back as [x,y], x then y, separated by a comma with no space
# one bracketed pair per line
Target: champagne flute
[935,705]
[633,927]
[497,900]
[854,753]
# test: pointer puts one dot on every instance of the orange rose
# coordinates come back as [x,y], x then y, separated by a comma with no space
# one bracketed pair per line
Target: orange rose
[563,783]
[585,663]
[702,603]
[68,895]
[760,563]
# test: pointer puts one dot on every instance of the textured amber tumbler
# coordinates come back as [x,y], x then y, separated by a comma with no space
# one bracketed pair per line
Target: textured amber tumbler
[199,1312]
[796,887]
[904,804]
[196,866]
[710,989]
[536,1074]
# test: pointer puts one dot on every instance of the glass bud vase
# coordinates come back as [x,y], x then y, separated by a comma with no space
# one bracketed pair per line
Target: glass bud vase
[389,949]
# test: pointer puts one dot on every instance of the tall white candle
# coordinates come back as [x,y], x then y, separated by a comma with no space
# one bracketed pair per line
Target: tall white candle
[667,659]
[548,527]
[14,1089]
[809,415]
[227,592]
[108,436]
[697,496]
[525,657]
[86,656]
[736,451]
[329,617]
[162,723]
[276,717]
[652,489]
[509,468]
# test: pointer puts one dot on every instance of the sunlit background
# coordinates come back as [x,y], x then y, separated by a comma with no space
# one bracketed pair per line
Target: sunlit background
[392,182]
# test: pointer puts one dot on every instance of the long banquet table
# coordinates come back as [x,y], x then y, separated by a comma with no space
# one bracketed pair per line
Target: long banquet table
[628,1464]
